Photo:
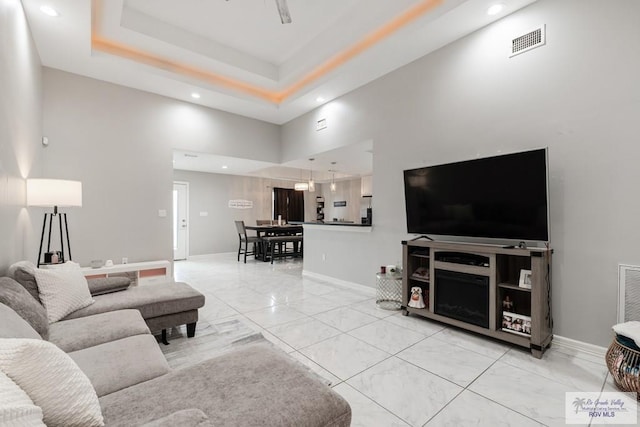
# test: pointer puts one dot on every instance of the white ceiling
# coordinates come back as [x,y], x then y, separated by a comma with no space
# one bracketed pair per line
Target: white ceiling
[243,41]
[351,162]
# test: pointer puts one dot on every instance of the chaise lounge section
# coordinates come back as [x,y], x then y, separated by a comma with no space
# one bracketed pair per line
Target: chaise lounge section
[162,305]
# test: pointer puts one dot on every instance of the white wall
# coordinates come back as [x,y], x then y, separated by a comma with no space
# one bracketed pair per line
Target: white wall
[118,141]
[20,132]
[210,193]
[349,191]
[579,95]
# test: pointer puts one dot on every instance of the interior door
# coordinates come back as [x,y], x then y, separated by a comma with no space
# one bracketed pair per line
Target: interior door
[289,204]
[180,220]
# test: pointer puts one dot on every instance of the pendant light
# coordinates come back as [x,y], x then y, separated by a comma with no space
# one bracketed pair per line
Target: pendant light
[333,177]
[301,186]
[312,184]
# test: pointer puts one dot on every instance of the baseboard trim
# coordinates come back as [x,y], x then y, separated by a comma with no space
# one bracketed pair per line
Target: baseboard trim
[206,256]
[579,347]
[340,282]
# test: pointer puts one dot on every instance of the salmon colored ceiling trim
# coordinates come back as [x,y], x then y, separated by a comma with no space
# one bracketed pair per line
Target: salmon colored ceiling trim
[102,44]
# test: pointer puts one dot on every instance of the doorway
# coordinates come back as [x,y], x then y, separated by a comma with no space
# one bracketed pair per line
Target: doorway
[289,204]
[180,220]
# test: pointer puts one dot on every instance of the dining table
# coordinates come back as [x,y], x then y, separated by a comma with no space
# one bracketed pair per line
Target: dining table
[273,230]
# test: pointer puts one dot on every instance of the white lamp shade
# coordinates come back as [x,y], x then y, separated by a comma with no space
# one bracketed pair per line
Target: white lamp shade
[54,192]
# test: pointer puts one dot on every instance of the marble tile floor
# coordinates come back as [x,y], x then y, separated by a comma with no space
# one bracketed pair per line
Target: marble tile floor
[393,370]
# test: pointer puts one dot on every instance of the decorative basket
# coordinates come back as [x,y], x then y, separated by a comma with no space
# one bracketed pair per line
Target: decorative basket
[624,366]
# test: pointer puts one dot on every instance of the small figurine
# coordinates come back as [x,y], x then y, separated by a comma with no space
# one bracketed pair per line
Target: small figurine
[507,304]
[416,298]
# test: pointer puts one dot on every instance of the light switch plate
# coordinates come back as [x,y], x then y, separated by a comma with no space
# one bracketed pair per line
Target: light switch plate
[162,213]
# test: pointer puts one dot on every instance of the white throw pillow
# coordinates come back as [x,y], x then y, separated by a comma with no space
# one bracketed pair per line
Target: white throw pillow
[62,291]
[16,408]
[53,382]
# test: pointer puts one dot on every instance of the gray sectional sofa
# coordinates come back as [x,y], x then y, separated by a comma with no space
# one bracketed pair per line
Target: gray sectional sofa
[256,385]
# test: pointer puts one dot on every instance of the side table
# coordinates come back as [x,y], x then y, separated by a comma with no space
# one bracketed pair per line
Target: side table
[389,291]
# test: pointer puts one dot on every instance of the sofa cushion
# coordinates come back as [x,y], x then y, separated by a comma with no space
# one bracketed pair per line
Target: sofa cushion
[52,381]
[105,285]
[152,300]
[17,298]
[119,364]
[76,334]
[185,418]
[256,385]
[14,326]
[16,407]
[62,291]
[23,273]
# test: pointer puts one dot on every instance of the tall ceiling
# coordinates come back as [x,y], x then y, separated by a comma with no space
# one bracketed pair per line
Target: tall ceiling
[238,57]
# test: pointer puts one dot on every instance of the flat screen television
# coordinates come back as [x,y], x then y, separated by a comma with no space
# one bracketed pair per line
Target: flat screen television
[501,197]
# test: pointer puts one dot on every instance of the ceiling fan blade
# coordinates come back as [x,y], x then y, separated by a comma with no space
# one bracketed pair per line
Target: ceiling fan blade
[283,9]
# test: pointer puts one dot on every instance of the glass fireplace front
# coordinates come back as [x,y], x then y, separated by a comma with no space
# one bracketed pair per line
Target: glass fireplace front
[462,296]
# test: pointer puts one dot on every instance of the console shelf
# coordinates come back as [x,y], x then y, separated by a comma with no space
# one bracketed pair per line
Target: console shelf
[482,296]
[514,287]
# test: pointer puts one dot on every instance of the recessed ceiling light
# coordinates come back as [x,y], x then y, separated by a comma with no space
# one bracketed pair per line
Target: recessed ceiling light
[319,99]
[225,167]
[195,95]
[49,11]
[495,9]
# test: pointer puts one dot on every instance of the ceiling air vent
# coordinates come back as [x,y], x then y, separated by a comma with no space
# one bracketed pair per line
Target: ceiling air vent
[531,40]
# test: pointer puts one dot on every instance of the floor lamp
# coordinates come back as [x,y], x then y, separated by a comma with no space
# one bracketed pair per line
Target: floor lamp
[54,193]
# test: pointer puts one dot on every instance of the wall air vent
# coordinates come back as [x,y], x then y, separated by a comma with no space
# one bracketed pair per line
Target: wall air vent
[628,293]
[531,40]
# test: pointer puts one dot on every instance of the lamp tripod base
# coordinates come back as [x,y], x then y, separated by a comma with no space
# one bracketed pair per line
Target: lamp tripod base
[49,257]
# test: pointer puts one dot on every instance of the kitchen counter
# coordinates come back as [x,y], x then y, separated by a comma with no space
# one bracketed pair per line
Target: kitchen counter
[333,226]
[341,223]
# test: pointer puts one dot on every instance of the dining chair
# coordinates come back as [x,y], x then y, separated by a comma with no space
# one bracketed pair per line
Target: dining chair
[242,236]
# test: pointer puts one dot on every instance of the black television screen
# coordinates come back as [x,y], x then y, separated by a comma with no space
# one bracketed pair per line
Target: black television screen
[503,197]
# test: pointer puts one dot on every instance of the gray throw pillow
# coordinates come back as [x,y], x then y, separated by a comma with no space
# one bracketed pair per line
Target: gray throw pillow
[105,285]
[22,272]
[16,297]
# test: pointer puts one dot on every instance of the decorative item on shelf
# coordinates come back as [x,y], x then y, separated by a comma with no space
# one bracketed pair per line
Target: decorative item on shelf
[507,303]
[525,279]
[54,193]
[52,257]
[109,263]
[96,263]
[518,324]
[383,269]
[421,273]
[415,300]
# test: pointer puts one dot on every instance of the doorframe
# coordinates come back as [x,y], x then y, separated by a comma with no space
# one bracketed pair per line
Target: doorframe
[186,183]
